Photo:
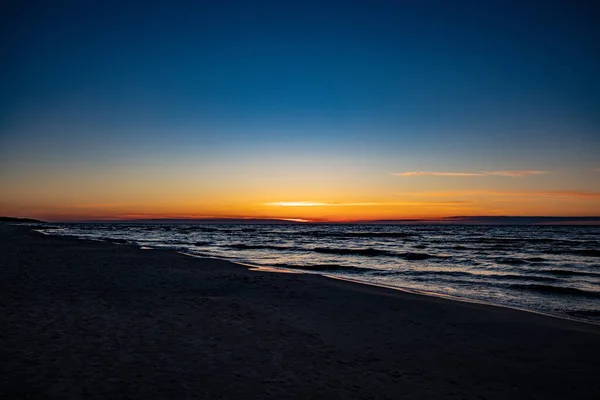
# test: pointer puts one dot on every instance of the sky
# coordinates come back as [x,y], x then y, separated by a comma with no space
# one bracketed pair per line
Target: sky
[313,110]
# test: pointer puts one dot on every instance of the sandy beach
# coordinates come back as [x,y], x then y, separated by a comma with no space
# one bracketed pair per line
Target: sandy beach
[82,319]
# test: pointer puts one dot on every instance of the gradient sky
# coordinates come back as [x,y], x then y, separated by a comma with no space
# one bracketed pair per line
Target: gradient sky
[298,109]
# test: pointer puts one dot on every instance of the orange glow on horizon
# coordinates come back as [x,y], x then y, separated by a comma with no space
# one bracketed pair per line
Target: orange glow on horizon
[426,206]
[321,195]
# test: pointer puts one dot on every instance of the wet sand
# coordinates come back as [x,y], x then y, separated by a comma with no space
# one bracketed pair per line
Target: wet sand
[81,319]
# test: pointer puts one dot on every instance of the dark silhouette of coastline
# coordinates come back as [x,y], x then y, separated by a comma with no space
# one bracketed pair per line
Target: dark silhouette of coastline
[21,220]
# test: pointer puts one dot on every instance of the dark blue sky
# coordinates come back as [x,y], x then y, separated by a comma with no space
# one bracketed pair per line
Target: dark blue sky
[445,65]
[401,85]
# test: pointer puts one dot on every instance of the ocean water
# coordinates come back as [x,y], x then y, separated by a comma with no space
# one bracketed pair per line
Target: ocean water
[549,269]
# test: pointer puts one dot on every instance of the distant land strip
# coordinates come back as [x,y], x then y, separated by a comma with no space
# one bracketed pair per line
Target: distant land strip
[24,220]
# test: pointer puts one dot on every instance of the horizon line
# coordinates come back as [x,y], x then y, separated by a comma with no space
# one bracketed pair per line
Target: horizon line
[460,219]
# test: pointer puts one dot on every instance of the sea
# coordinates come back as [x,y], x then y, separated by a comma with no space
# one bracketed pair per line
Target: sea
[547,269]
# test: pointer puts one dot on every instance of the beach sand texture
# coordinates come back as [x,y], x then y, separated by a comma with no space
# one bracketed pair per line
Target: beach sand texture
[81,319]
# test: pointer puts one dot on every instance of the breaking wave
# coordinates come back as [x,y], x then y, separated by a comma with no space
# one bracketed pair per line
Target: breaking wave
[556,290]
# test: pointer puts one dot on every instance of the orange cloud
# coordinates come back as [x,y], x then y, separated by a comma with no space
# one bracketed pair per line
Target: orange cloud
[298,204]
[570,193]
[425,173]
[533,193]
[516,173]
[100,205]
[362,204]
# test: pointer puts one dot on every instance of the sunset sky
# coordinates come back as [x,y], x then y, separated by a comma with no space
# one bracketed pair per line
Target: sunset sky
[316,110]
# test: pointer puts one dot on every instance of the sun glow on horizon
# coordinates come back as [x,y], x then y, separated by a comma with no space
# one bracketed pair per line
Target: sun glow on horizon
[297,204]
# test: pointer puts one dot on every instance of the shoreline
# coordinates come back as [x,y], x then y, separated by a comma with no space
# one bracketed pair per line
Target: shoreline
[280,270]
[90,318]
[258,268]
[467,300]
[274,269]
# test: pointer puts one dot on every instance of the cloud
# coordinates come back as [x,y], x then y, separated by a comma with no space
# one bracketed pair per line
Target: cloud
[364,204]
[501,193]
[322,204]
[425,173]
[514,174]
[297,204]
[571,193]
[99,205]
[451,203]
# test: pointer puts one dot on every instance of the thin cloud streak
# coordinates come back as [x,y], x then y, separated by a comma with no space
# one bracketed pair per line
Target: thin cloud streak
[425,173]
[514,174]
[533,193]
[100,205]
[365,204]
[297,204]
[572,193]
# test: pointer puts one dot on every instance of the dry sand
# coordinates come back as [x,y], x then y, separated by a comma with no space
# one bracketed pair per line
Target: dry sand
[82,319]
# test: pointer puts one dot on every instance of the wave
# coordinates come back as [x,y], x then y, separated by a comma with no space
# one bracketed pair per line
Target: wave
[583,253]
[528,240]
[585,313]
[377,234]
[568,272]
[358,234]
[243,246]
[116,241]
[510,261]
[371,252]
[325,268]
[158,246]
[556,290]
[211,229]
[166,243]
[536,259]
[316,233]
[519,261]
[480,277]
[522,277]
[463,248]
[420,256]
[365,252]
[326,250]
[201,254]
